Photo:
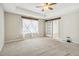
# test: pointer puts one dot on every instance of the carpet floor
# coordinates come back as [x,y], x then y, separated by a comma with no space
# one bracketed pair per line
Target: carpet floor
[40,47]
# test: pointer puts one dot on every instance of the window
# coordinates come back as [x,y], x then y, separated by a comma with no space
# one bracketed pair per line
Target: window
[29,26]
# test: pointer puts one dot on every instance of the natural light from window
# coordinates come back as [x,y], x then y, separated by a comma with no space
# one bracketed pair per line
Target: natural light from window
[29,26]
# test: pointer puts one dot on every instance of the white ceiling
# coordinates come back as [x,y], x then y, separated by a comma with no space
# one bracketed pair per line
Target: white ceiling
[29,9]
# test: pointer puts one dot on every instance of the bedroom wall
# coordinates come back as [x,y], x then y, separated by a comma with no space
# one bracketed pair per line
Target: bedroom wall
[1,27]
[12,27]
[69,27]
[41,27]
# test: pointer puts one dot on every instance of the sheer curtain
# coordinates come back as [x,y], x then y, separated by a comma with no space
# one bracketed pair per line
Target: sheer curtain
[29,27]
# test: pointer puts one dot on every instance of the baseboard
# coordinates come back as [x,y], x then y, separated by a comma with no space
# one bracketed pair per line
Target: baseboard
[10,41]
[77,42]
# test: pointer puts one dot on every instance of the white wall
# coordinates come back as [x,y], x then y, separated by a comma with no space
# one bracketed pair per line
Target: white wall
[1,27]
[56,29]
[69,26]
[41,27]
[55,26]
[13,26]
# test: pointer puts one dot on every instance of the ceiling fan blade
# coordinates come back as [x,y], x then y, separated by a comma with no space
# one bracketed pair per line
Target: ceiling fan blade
[52,3]
[50,8]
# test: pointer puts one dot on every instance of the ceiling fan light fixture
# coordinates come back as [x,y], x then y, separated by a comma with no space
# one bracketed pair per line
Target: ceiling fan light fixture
[47,6]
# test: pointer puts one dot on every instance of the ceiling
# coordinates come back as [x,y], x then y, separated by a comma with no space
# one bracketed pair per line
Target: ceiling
[29,9]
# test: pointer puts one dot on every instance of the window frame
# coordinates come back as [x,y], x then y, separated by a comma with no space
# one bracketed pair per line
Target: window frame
[31,20]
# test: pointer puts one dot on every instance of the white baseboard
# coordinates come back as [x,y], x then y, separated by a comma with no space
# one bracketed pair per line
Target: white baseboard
[13,41]
[77,42]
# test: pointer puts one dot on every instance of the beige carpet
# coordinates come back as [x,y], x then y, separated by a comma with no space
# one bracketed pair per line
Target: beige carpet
[40,47]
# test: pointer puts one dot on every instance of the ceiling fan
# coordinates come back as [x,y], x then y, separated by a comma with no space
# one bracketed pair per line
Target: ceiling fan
[46,6]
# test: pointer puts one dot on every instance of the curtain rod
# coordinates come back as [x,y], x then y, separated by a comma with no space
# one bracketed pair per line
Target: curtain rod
[32,18]
[53,19]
